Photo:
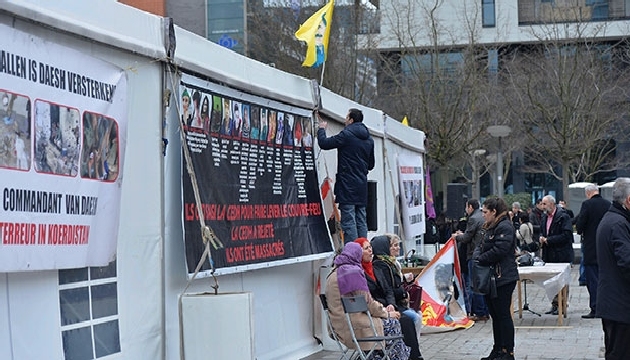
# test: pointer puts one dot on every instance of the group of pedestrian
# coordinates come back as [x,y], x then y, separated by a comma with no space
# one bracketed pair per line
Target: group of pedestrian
[491,236]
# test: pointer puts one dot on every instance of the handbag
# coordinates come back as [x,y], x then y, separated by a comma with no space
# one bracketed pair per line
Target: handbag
[483,279]
[526,259]
[414,292]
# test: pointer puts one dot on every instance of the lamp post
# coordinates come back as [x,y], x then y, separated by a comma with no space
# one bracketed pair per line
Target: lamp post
[499,131]
[476,190]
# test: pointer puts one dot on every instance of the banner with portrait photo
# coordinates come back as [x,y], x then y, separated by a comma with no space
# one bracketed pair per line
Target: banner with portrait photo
[256,174]
[62,141]
[411,182]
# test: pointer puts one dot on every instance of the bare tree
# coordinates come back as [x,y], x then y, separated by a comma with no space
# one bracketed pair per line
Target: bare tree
[569,91]
[271,39]
[443,80]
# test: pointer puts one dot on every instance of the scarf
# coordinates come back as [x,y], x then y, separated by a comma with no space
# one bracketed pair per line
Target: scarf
[350,275]
[380,246]
[367,265]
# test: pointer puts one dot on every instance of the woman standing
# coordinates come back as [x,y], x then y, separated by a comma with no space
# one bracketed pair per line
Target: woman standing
[525,234]
[348,279]
[497,248]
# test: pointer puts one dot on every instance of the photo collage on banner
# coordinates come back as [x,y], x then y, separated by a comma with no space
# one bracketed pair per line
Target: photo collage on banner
[410,176]
[256,174]
[62,116]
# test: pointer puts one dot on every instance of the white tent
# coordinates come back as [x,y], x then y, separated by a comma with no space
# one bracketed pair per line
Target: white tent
[130,309]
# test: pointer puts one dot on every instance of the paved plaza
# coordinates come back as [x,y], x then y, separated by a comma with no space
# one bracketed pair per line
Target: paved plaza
[537,338]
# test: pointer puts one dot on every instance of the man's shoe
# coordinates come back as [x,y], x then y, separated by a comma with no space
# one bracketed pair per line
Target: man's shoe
[590,315]
[479,318]
[552,311]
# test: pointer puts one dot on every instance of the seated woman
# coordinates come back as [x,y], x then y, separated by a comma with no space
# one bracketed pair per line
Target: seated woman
[347,278]
[376,290]
[389,275]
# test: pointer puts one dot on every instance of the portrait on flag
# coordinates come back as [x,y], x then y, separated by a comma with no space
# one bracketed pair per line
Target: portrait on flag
[315,31]
[443,307]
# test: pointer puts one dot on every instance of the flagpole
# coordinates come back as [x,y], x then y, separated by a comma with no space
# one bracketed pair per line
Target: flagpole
[321,80]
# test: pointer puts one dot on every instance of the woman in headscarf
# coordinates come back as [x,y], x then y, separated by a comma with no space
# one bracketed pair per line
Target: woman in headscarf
[348,279]
[389,278]
[497,248]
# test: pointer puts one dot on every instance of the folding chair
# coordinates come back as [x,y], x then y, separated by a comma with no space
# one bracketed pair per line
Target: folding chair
[346,353]
[357,304]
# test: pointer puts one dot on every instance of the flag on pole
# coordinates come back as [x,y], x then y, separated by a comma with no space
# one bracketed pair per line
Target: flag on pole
[405,121]
[315,32]
[430,207]
[443,306]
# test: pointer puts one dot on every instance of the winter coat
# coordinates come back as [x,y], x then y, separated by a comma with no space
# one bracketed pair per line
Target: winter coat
[613,257]
[473,234]
[559,246]
[389,286]
[588,219]
[497,248]
[360,321]
[355,157]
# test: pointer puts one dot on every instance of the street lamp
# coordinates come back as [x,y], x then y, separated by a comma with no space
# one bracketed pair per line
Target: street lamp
[474,154]
[499,131]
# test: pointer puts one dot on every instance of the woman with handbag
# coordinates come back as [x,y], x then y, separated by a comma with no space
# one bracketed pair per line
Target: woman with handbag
[497,249]
[409,329]
[525,234]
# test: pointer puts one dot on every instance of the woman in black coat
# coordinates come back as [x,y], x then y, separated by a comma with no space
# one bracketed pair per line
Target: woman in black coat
[497,248]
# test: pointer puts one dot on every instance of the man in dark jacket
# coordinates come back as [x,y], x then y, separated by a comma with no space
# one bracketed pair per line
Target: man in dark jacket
[556,239]
[590,215]
[355,158]
[471,238]
[613,257]
[535,217]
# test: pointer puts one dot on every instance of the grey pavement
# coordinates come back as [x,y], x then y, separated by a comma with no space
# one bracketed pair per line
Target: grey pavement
[536,338]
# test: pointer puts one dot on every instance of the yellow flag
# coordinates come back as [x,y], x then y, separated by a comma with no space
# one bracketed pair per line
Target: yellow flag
[405,121]
[315,32]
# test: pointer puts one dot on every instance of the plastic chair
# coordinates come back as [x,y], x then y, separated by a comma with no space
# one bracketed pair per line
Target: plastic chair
[357,304]
[346,353]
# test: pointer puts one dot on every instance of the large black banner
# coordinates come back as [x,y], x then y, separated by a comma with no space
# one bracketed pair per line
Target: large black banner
[256,174]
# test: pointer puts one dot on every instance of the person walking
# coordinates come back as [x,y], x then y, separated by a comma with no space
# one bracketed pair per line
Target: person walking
[355,158]
[497,248]
[589,217]
[613,287]
[471,238]
[556,239]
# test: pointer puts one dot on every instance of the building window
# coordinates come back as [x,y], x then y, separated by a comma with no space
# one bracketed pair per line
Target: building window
[556,11]
[488,13]
[88,303]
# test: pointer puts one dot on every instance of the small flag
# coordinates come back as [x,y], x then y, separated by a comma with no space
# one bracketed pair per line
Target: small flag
[405,121]
[430,208]
[315,32]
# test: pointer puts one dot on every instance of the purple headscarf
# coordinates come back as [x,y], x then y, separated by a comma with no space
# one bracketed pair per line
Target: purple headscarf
[350,275]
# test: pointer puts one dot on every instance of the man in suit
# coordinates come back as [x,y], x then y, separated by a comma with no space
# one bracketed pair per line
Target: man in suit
[590,215]
[471,238]
[556,239]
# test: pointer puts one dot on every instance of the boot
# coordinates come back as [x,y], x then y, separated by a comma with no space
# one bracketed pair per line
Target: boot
[506,355]
[494,354]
